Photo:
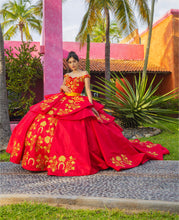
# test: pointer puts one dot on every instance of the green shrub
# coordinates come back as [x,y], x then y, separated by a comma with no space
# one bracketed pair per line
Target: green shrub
[135,106]
[22,71]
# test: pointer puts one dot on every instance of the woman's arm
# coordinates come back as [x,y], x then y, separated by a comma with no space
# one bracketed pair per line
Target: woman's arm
[88,92]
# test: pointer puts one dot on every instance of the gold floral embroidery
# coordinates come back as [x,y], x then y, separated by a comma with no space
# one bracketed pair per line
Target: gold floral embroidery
[71,105]
[53,163]
[45,104]
[16,149]
[53,121]
[78,99]
[47,139]
[32,141]
[43,123]
[144,144]
[44,144]
[104,117]
[39,117]
[152,153]
[27,143]
[62,99]
[42,161]
[121,160]
[74,83]
[149,145]
[61,163]
[134,141]
[25,158]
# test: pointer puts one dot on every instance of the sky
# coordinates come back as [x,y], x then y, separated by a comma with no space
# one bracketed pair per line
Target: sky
[74,10]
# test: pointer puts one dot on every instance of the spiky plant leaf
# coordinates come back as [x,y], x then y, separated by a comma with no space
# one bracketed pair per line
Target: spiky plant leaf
[138,105]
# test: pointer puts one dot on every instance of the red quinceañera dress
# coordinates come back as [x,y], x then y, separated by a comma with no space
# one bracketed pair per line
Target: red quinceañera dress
[62,135]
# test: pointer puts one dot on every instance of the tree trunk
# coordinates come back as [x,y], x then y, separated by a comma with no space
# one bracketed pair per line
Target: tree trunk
[87,54]
[148,41]
[22,36]
[5,130]
[21,25]
[107,47]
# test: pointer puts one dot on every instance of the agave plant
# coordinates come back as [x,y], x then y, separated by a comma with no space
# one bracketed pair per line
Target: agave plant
[135,106]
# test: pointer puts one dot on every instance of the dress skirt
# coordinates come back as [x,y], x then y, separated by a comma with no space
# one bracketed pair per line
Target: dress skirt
[61,135]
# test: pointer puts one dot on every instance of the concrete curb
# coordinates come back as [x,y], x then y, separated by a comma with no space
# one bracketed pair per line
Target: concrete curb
[92,202]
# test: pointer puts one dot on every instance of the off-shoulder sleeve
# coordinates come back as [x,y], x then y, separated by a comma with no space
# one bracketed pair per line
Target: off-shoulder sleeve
[86,76]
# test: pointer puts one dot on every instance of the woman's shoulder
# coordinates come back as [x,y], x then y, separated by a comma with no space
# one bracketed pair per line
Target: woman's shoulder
[85,74]
[66,75]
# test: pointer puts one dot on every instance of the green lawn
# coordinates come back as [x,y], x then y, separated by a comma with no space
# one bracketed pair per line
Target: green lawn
[168,139]
[4,157]
[29,211]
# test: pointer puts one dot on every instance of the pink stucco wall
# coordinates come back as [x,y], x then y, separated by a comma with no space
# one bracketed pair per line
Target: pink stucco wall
[97,50]
[13,125]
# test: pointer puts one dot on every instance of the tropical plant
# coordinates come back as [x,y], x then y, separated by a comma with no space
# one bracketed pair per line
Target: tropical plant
[39,7]
[22,72]
[123,14]
[134,106]
[99,35]
[149,40]
[20,15]
[5,130]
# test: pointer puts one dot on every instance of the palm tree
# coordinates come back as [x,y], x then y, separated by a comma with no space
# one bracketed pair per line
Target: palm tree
[20,15]
[149,40]
[5,131]
[99,33]
[123,14]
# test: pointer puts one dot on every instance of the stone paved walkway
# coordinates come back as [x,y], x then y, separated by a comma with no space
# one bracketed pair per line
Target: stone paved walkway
[152,181]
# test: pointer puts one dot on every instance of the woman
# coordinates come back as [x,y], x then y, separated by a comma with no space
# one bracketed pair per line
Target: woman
[70,135]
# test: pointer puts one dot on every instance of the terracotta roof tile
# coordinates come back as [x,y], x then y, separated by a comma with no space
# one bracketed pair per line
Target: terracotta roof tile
[123,66]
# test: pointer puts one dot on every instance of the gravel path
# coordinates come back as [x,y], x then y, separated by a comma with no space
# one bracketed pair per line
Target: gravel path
[154,180]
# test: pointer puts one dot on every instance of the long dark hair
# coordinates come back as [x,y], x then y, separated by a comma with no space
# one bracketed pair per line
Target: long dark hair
[72,54]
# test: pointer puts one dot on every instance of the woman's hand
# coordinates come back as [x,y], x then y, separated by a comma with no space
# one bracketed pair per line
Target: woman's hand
[95,112]
[66,89]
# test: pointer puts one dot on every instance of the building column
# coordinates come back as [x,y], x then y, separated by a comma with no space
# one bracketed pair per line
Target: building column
[53,46]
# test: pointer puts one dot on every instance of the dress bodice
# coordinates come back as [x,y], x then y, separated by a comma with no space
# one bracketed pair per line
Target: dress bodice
[76,84]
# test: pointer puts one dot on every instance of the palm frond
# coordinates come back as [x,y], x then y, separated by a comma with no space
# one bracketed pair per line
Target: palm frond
[143,10]
[27,33]
[89,20]
[124,15]
[11,32]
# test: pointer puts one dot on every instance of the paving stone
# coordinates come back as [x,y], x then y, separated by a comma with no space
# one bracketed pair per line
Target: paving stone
[154,180]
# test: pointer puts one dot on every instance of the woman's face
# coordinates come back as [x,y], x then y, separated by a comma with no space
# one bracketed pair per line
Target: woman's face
[73,64]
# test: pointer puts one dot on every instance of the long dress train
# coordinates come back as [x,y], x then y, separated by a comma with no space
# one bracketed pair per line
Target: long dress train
[62,135]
